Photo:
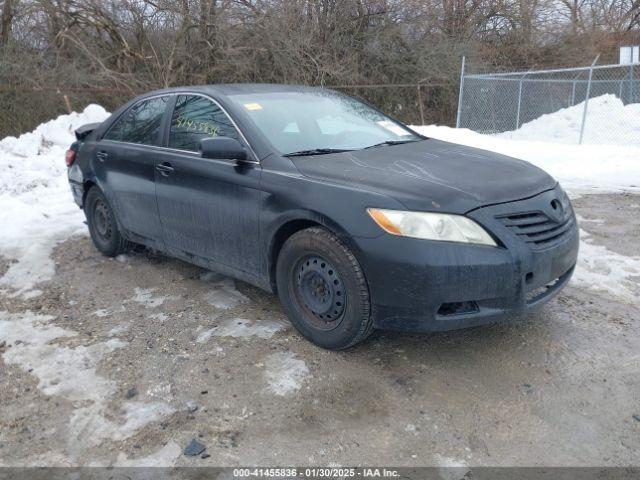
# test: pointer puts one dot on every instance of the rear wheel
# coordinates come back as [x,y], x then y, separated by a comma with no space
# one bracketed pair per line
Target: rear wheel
[102,224]
[323,290]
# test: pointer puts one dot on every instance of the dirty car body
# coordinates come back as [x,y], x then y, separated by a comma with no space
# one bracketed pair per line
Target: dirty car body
[234,215]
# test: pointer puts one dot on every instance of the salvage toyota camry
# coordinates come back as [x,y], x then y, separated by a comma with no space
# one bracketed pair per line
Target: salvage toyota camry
[356,221]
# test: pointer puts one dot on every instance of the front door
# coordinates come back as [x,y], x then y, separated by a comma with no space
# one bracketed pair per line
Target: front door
[208,208]
[125,167]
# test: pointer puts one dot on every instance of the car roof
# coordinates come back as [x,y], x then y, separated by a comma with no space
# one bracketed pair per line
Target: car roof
[225,89]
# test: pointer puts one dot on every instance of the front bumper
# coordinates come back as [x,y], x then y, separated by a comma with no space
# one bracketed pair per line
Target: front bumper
[419,285]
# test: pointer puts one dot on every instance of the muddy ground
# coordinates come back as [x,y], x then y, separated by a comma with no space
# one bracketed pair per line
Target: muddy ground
[126,361]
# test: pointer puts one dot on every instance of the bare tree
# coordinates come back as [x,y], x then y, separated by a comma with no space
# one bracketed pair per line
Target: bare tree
[6,20]
[126,46]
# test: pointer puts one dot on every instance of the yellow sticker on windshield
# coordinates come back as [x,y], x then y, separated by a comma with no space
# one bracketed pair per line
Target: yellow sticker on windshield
[253,106]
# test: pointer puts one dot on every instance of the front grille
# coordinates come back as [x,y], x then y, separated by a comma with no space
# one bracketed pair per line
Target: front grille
[537,228]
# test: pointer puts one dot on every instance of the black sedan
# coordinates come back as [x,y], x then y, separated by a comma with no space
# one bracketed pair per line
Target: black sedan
[355,220]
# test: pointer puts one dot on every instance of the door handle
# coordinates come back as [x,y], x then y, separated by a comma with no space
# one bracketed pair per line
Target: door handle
[165,169]
[102,155]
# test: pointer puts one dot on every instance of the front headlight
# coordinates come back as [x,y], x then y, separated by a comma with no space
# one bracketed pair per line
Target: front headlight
[431,226]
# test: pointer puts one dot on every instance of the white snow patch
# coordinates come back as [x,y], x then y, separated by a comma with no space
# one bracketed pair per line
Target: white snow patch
[48,459]
[203,337]
[64,371]
[579,168]
[609,121]
[51,136]
[165,457]
[241,327]
[602,269]
[162,389]
[450,468]
[225,296]
[36,207]
[285,373]
[119,329]
[144,296]
[161,317]
[581,219]
[90,426]
[123,258]
[107,312]
[70,372]
[211,277]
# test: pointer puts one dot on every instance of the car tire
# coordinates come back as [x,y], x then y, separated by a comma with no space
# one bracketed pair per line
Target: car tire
[323,289]
[102,223]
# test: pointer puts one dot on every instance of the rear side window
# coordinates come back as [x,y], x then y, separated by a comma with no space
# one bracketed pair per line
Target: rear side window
[140,124]
[195,118]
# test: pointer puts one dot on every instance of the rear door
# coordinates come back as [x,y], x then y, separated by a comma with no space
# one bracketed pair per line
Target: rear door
[125,166]
[208,208]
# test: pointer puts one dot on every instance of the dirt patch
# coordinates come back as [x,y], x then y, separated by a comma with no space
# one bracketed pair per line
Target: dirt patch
[612,220]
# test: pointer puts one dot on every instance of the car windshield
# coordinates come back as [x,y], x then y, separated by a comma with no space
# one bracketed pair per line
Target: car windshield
[321,121]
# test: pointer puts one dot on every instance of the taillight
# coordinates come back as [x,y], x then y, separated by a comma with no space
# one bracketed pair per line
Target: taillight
[70,157]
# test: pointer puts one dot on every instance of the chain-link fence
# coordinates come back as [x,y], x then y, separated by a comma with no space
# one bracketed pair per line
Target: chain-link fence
[596,104]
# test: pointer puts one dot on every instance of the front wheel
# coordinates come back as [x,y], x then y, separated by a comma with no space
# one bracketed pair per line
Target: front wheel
[323,290]
[102,224]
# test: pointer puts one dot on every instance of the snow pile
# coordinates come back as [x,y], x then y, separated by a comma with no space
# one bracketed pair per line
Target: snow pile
[579,168]
[27,161]
[609,121]
[36,206]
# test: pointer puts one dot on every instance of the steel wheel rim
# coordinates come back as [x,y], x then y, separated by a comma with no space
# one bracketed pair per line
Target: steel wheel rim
[320,291]
[102,220]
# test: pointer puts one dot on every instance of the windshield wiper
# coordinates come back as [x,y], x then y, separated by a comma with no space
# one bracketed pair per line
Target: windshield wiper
[390,142]
[317,151]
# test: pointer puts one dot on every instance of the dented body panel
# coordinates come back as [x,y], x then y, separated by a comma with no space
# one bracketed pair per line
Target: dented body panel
[233,216]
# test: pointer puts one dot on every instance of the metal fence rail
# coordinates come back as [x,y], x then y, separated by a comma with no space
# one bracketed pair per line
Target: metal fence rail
[599,99]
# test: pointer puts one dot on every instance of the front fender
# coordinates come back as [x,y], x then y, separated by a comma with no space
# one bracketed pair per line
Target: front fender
[294,202]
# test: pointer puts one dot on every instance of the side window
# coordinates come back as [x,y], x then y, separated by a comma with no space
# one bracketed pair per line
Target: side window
[195,118]
[139,124]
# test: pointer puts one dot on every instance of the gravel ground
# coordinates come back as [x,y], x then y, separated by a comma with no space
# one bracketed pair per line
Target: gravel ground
[126,361]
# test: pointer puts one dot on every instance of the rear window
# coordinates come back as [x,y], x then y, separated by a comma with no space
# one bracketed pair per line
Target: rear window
[140,124]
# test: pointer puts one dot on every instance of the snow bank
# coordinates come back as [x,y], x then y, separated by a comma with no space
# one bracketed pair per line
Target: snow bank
[609,121]
[579,168]
[28,161]
[36,207]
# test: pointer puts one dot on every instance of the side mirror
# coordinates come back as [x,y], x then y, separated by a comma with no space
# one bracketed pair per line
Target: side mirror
[222,148]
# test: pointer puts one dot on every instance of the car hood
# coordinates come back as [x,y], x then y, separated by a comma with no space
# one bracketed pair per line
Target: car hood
[431,175]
